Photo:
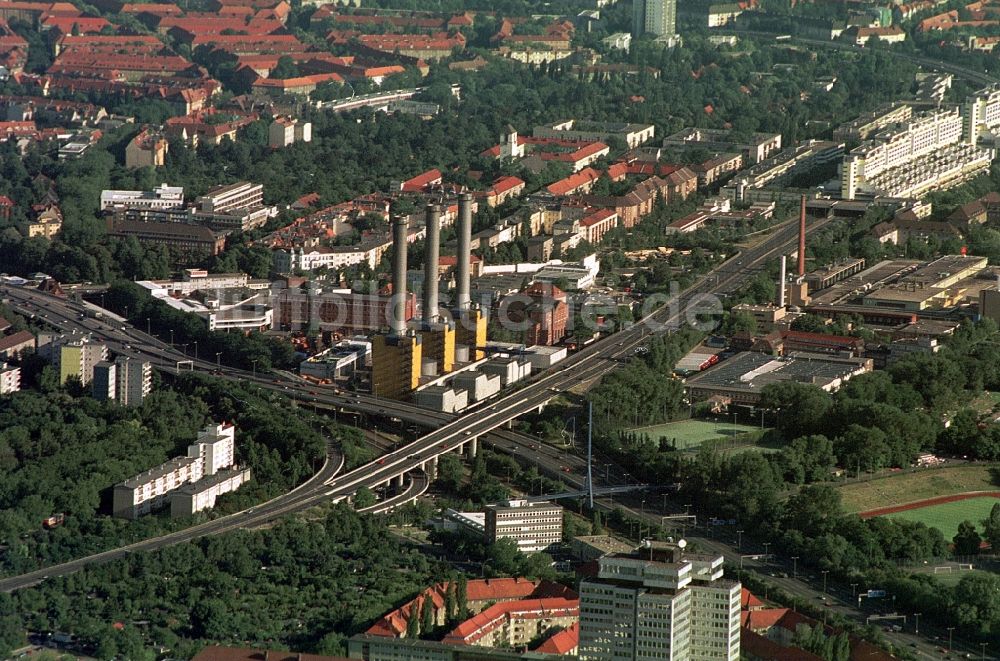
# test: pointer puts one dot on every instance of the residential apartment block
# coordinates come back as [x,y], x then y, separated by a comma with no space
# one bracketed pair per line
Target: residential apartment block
[10,379]
[197,479]
[573,129]
[285,131]
[77,357]
[908,160]
[533,526]
[657,17]
[659,603]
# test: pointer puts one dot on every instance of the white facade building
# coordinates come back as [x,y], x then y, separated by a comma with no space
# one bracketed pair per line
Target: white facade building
[133,380]
[202,495]
[335,258]
[285,131]
[161,197]
[659,603]
[921,154]
[208,457]
[533,526]
[10,379]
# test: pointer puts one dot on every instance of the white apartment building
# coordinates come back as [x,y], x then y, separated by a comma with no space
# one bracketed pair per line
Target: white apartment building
[981,113]
[133,380]
[285,131]
[161,197]
[336,258]
[10,379]
[77,357]
[202,494]
[208,456]
[215,446]
[534,526]
[909,144]
[103,385]
[659,603]
[657,17]
[148,491]
[232,197]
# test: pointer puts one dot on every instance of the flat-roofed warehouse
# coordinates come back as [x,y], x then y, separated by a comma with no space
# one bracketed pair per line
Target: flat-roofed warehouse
[741,379]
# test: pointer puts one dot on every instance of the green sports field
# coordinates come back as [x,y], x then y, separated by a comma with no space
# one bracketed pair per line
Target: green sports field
[690,434]
[946,516]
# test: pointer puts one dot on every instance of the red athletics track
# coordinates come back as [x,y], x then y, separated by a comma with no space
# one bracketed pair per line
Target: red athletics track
[881,511]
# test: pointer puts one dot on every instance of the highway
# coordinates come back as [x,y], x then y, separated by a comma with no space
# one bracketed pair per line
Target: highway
[449,436]
[978,77]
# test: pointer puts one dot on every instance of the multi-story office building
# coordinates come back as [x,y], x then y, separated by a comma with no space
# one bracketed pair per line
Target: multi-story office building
[660,603]
[533,526]
[657,17]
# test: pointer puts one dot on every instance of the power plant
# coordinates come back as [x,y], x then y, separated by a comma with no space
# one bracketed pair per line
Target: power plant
[396,355]
[433,343]
[438,334]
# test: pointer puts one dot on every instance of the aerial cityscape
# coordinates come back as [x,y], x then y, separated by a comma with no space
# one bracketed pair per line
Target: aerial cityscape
[483,330]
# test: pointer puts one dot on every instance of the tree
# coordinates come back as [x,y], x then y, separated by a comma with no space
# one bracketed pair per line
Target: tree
[804,406]
[426,617]
[462,597]
[413,624]
[450,473]
[967,540]
[363,498]
[450,602]
[991,528]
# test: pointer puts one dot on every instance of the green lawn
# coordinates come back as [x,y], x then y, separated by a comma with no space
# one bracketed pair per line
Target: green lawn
[952,578]
[899,488]
[690,434]
[946,516]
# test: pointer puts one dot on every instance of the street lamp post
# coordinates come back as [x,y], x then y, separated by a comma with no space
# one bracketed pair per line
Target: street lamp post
[172,337]
[824,572]
[795,566]
[254,363]
[739,541]
[983,645]
[766,545]
[147,327]
[218,360]
[916,626]
[950,629]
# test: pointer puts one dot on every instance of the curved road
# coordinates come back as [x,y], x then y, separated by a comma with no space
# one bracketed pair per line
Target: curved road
[586,365]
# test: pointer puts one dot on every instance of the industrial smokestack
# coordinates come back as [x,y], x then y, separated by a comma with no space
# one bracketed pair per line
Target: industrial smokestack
[463,297]
[802,236]
[781,281]
[432,256]
[397,323]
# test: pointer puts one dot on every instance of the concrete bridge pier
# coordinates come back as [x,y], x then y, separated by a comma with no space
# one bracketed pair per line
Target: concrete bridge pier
[472,447]
[398,480]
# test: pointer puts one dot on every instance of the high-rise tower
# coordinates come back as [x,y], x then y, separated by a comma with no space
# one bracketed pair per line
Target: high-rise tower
[657,17]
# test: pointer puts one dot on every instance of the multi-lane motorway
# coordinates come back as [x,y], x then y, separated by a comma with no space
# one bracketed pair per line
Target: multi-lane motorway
[586,365]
